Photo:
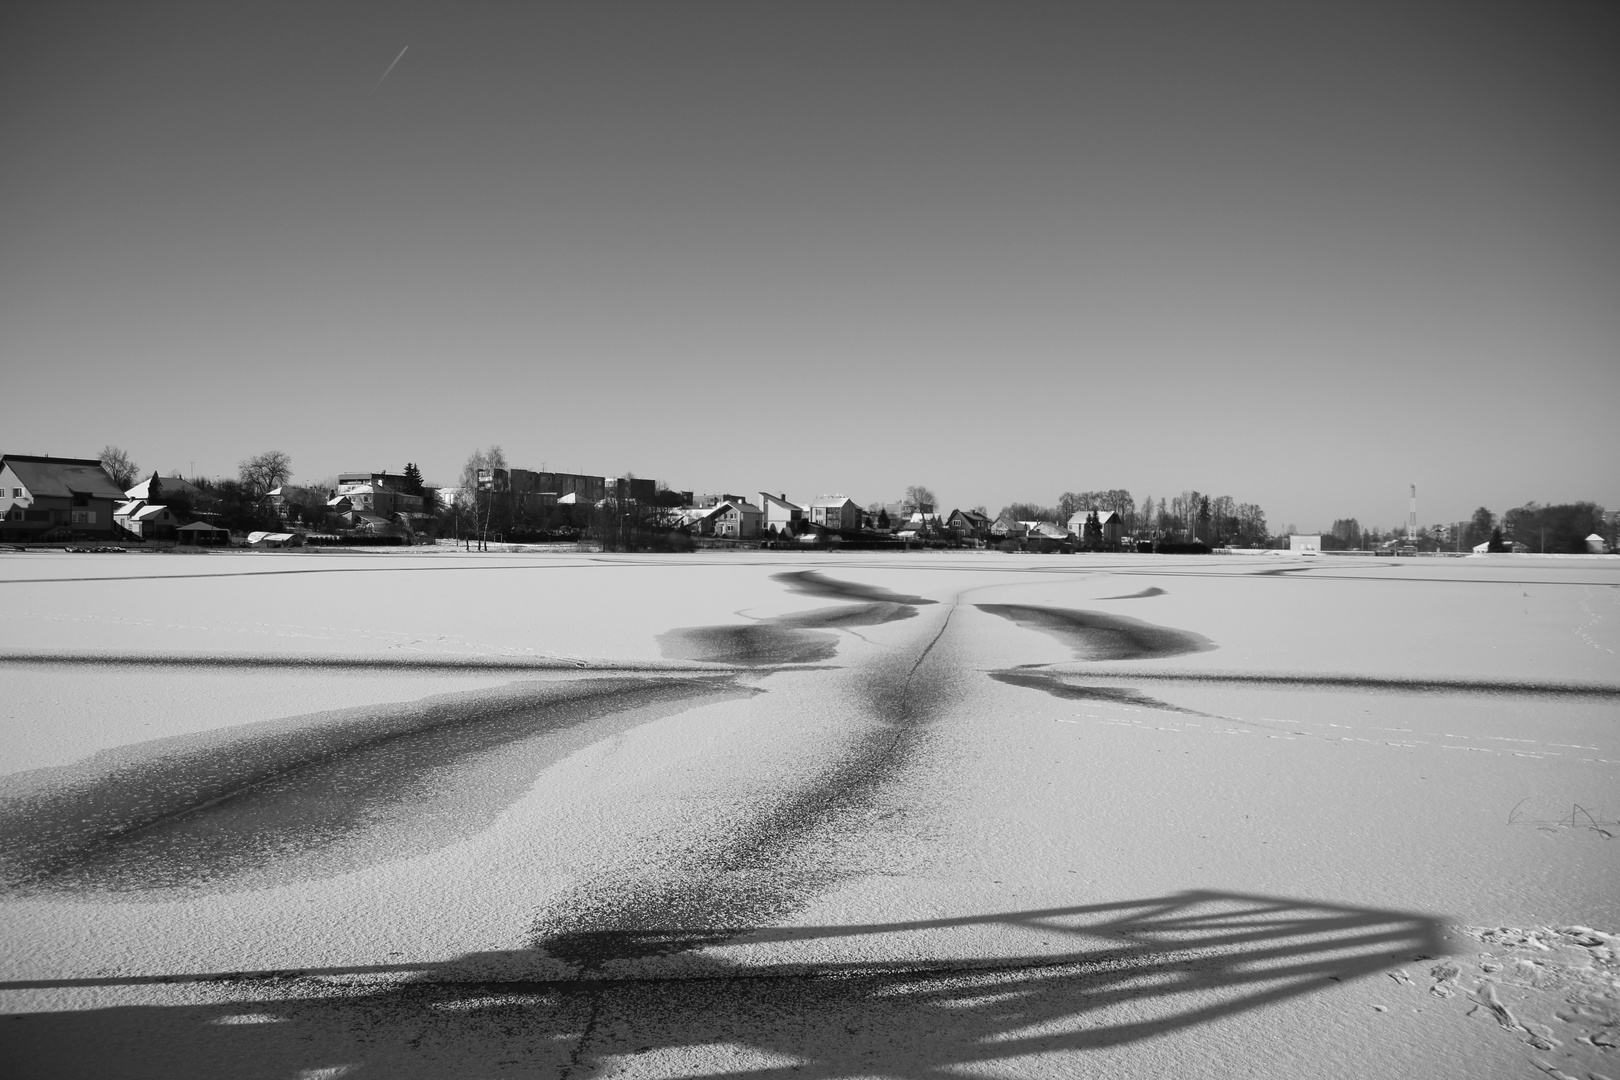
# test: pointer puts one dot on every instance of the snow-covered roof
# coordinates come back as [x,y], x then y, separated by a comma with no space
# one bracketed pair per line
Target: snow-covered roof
[742,505]
[272,537]
[201,526]
[167,485]
[767,499]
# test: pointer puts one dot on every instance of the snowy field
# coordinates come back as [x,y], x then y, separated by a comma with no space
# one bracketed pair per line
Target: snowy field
[563,815]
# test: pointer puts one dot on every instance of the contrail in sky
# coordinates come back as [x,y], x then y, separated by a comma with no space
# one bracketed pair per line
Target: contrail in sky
[390,67]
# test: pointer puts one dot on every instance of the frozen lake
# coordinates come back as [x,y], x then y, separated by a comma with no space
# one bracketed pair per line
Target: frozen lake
[449,814]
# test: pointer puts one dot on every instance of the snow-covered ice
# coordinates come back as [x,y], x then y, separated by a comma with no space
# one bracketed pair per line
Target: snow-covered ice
[856,815]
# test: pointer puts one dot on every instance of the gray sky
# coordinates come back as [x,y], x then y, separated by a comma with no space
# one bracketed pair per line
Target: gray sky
[1303,254]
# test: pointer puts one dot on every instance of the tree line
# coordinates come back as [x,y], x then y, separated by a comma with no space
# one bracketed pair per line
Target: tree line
[1191,516]
[1559,529]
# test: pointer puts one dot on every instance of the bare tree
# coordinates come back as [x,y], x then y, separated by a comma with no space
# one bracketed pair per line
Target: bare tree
[478,498]
[485,460]
[921,498]
[120,466]
[264,472]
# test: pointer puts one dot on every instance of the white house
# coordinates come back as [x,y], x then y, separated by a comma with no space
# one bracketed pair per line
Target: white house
[780,514]
[145,519]
[1305,545]
[1112,526]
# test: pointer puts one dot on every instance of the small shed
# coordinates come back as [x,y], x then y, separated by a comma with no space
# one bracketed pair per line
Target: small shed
[203,535]
[1596,545]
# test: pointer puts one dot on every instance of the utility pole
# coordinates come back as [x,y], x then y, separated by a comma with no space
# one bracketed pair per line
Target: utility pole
[485,484]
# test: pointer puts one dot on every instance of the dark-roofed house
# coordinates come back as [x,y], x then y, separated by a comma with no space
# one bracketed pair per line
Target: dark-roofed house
[837,512]
[969,524]
[59,496]
[732,518]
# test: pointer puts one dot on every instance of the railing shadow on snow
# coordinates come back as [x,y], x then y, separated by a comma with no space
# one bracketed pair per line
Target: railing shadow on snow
[1105,975]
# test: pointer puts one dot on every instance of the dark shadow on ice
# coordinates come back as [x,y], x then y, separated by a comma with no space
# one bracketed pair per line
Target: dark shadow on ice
[816,583]
[304,797]
[1394,684]
[1152,590]
[1095,635]
[787,846]
[1059,686]
[836,618]
[757,644]
[1107,974]
[416,664]
[797,637]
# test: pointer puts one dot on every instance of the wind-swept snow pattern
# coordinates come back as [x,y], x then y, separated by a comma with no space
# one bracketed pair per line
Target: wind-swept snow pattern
[764,815]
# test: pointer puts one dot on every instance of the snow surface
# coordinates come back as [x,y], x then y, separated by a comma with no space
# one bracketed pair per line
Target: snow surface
[571,814]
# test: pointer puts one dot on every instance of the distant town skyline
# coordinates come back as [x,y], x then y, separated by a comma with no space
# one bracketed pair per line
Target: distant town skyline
[1301,254]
